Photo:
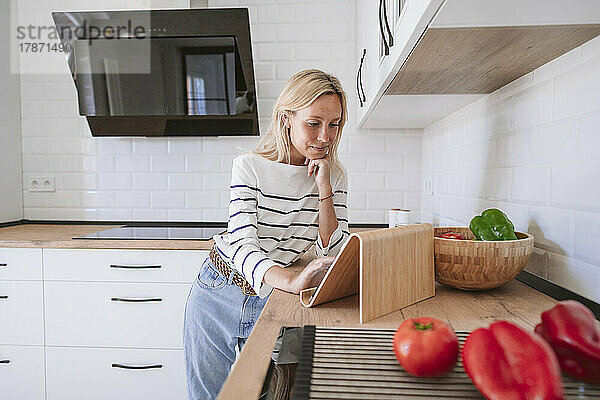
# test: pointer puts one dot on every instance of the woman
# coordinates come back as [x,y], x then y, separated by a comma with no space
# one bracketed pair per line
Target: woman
[287,195]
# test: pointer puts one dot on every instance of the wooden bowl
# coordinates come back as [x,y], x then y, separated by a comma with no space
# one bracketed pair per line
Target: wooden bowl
[478,265]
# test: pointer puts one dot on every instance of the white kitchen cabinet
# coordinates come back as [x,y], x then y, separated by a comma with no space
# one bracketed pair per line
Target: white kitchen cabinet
[134,315]
[447,54]
[20,264]
[407,20]
[22,373]
[122,265]
[21,313]
[115,374]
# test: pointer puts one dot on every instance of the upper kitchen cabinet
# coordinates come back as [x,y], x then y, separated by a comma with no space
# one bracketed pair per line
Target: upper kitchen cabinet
[444,55]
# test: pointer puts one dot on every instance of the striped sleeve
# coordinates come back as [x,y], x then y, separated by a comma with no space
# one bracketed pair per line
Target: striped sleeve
[244,249]
[341,233]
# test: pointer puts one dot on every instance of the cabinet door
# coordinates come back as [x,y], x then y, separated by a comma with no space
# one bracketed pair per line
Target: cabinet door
[21,313]
[115,374]
[115,314]
[22,373]
[21,264]
[122,265]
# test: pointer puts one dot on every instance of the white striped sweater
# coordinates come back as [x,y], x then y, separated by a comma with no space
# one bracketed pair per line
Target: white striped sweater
[274,217]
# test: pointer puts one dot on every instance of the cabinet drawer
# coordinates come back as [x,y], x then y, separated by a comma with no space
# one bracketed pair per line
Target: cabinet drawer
[115,314]
[21,313]
[123,265]
[22,372]
[21,264]
[93,374]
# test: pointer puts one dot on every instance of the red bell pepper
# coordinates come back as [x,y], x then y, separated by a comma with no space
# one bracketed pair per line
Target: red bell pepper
[574,334]
[507,362]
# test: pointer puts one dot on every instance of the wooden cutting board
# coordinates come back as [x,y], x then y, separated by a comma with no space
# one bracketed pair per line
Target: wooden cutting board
[390,268]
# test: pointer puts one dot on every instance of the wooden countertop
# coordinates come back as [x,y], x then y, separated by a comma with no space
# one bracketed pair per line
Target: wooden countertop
[513,301]
[61,236]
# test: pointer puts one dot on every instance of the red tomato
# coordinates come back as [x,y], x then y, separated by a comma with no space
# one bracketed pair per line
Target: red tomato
[452,235]
[426,346]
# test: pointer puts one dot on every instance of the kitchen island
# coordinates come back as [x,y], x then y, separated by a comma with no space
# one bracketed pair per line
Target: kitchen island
[464,310]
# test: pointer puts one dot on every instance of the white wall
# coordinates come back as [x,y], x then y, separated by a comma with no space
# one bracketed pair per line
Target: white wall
[11,200]
[530,149]
[187,179]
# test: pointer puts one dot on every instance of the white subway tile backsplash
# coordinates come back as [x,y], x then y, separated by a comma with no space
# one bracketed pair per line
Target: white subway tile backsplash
[275,14]
[274,51]
[580,277]
[586,233]
[98,199]
[366,145]
[218,181]
[170,199]
[167,164]
[187,181]
[575,93]
[132,199]
[513,149]
[357,200]
[385,163]
[202,200]
[312,51]
[555,141]
[264,71]
[149,146]
[530,185]
[143,181]
[214,215]
[179,147]
[50,127]
[552,229]
[202,163]
[575,187]
[270,89]
[132,164]
[112,181]
[263,33]
[538,263]
[355,163]
[589,136]
[151,214]
[376,201]
[404,183]
[367,216]
[366,182]
[64,199]
[534,106]
[529,149]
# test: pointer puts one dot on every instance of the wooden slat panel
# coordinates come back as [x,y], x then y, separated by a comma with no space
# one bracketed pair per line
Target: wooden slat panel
[479,60]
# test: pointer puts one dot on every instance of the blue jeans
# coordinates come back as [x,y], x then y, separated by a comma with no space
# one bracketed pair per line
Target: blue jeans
[218,319]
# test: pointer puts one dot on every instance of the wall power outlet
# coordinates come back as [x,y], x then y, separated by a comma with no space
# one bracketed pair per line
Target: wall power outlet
[41,185]
[428,186]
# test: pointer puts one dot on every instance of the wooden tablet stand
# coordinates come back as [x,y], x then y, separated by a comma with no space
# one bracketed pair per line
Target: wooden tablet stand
[390,269]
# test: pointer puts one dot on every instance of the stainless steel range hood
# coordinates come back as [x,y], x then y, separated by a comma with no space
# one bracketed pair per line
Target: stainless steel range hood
[162,72]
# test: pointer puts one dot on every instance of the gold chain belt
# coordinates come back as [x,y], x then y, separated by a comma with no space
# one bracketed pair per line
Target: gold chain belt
[226,271]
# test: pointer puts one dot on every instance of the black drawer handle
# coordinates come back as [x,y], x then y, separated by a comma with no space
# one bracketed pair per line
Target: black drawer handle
[3,265]
[126,300]
[123,366]
[135,266]
[4,361]
[387,26]
[381,31]
[3,297]
[362,60]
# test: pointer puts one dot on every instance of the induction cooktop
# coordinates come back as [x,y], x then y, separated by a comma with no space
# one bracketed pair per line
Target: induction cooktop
[155,233]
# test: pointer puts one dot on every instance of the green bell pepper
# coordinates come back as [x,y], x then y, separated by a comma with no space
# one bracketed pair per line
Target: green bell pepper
[492,224]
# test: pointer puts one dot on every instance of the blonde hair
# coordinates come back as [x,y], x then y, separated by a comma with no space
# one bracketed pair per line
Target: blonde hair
[299,92]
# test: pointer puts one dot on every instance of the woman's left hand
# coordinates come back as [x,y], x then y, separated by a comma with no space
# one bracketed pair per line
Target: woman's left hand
[320,169]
